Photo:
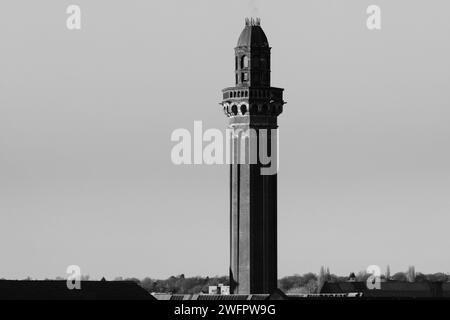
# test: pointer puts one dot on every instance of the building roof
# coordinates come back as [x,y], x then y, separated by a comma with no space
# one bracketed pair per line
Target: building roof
[252,35]
[214,297]
[276,295]
[57,290]
[391,289]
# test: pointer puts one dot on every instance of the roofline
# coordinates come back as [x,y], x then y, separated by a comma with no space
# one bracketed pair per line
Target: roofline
[251,87]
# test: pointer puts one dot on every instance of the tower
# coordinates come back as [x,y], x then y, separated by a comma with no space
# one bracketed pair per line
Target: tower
[252,107]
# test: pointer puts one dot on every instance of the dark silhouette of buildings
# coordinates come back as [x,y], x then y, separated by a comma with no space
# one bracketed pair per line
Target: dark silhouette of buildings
[57,290]
[276,295]
[252,105]
[391,289]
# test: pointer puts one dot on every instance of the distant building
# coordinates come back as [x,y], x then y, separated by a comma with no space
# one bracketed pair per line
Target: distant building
[275,295]
[219,289]
[352,277]
[391,289]
[57,290]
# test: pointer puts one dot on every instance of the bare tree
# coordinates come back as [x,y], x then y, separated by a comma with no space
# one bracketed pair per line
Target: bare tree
[411,274]
[321,278]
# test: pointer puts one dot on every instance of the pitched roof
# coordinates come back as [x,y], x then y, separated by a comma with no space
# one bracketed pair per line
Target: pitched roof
[213,297]
[57,290]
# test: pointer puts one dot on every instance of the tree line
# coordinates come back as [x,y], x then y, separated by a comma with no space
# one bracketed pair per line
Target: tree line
[306,283]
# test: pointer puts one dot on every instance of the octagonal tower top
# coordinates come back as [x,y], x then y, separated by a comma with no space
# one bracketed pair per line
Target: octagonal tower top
[252,35]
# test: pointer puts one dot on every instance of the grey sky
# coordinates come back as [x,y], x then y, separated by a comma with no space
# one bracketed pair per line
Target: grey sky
[86,118]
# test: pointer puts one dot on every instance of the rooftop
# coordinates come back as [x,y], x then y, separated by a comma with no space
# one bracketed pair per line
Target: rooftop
[57,290]
[252,35]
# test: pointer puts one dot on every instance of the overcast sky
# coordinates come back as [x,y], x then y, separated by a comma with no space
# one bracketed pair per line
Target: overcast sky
[86,117]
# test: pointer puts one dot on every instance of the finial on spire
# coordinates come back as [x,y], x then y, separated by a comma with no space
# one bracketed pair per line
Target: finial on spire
[249,22]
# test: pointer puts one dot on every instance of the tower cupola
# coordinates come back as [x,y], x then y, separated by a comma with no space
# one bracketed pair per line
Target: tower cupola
[252,55]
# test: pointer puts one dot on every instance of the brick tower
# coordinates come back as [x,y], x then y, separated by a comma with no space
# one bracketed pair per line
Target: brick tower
[252,105]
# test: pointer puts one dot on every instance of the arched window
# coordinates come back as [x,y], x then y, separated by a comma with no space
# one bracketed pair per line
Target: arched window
[244,62]
[236,63]
[234,109]
[243,109]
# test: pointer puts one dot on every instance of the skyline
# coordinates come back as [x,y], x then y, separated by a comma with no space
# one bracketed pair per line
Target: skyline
[86,118]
